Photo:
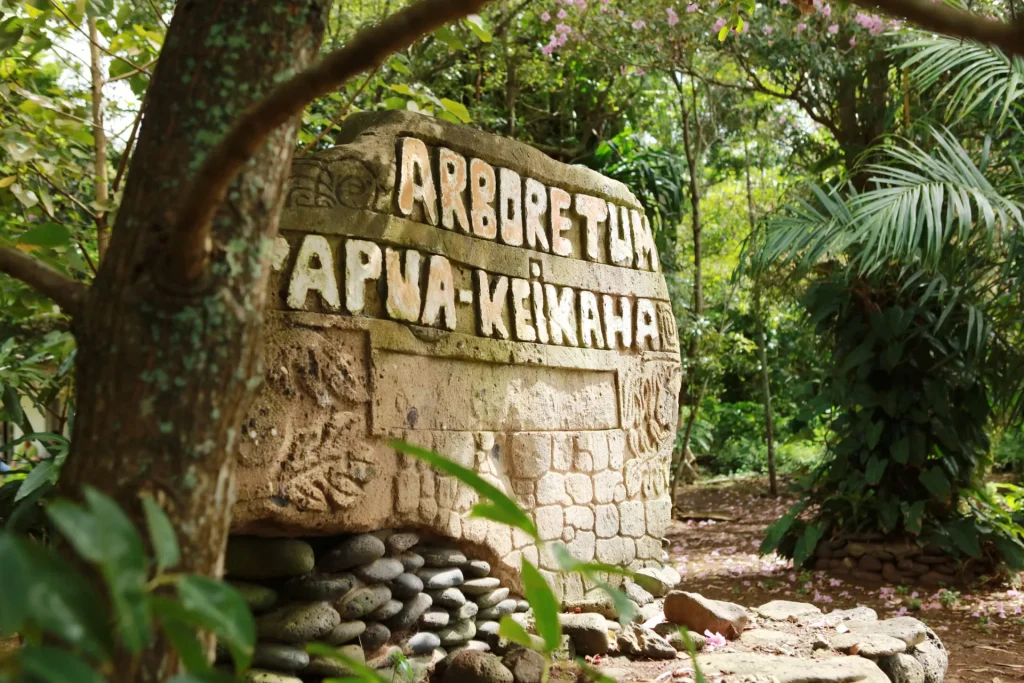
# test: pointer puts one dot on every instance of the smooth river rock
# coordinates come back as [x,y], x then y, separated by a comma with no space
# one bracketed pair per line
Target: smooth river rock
[251,558]
[298,623]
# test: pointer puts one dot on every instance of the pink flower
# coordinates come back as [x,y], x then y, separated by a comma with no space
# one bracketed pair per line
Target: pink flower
[545,17]
[547,49]
[639,24]
[783,2]
[673,18]
[713,640]
[691,8]
[561,14]
[767,30]
[801,27]
[719,24]
[833,29]
[853,42]
[563,28]
[826,10]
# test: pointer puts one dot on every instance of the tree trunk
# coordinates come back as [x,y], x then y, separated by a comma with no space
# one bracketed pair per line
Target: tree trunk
[164,377]
[762,351]
[692,150]
[102,191]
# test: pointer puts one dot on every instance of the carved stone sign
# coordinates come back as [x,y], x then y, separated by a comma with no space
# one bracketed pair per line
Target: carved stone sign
[471,295]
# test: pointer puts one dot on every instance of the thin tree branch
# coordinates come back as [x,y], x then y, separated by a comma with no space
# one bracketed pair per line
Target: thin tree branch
[105,51]
[102,187]
[341,113]
[189,253]
[156,11]
[135,70]
[64,291]
[75,200]
[943,18]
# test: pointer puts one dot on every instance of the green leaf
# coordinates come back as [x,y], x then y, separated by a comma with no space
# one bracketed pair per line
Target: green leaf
[219,607]
[510,514]
[11,30]
[18,576]
[174,620]
[964,533]
[1011,550]
[46,235]
[12,406]
[875,469]
[875,433]
[777,530]
[511,630]
[806,544]
[42,474]
[99,8]
[476,25]
[397,65]
[54,665]
[402,89]
[936,482]
[161,534]
[448,37]
[900,451]
[457,109]
[544,605]
[913,516]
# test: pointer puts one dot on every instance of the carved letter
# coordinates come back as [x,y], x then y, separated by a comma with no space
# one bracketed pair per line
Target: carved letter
[510,198]
[534,206]
[491,305]
[440,294]
[620,246]
[594,211]
[362,263]
[590,321]
[617,325]
[481,192]
[452,169]
[319,277]
[415,181]
[521,326]
[560,202]
[643,242]
[540,322]
[647,335]
[403,293]
[561,315]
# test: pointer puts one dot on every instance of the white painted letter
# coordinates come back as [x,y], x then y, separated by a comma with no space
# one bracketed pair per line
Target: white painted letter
[594,211]
[415,181]
[535,204]
[620,246]
[510,198]
[643,242]
[539,321]
[362,263]
[647,335]
[561,315]
[521,326]
[590,321]
[319,276]
[403,292]
[481,197]
[452,168]
[440,294]
[491,305]
[560,202]
[617,325]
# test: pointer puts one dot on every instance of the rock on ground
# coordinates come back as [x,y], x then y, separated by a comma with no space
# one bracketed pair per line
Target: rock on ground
[794,670]
[588,632]
[473,666]
[932,656]
[267,558]
[527,666]
[902,668]
[700,614]
[784,610]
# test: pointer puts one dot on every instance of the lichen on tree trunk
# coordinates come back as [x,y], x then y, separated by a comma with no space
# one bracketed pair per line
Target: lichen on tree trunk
[164,376]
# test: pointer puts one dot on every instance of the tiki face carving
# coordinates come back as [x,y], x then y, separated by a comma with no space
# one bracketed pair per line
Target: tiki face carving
[467,294]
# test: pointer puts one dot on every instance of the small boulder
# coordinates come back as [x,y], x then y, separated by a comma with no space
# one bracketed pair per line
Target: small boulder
[457,633]
[345,632]
[440,578]
[386,611]
[406,586]
[399,543]
[361,601]
[527,666]
[321,586]
[434,619]
[908,629]
[411,612]
[382,570]
[588,632]
[298,623]
[638,594]
[422,643]
[352,552]
[443,557]
[902,668]
[492,598]
[870,645]
[411,562]
[637,640]
[473,666]
[327,667]
[498,611]
[279,657]
[375,636]
[259,598]
[701,614]
[262,676]
[449,598]
[785,610]
[467,611]
[932,656]
[253,558]
[657,582]
[480,586]
[476,569]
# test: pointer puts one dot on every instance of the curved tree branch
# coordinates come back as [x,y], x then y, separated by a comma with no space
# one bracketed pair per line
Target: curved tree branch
[188,256]
[64,291]
[943,18]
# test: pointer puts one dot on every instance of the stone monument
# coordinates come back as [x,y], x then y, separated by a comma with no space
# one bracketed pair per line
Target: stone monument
[468,294]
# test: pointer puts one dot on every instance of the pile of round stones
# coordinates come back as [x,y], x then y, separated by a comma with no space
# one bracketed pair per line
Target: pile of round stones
[868,558]
[361,593]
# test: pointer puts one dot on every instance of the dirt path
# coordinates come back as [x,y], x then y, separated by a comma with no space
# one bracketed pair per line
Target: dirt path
[983,630]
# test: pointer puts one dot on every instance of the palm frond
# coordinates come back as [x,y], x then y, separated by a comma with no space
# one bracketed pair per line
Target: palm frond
[975,76]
